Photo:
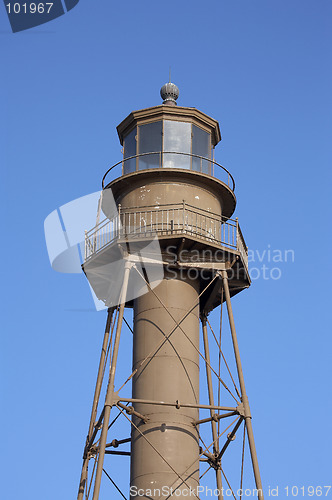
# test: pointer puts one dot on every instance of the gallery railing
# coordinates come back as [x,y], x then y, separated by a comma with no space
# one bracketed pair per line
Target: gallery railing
[174,160]
[166,220]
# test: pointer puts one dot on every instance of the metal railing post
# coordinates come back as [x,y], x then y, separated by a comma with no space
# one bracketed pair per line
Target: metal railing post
[119,219]
[237,234]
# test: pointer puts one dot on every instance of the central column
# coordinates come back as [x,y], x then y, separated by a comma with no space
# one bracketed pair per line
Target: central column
[170,374]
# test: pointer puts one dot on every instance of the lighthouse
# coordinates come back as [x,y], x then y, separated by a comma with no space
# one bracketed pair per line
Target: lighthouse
[168,247]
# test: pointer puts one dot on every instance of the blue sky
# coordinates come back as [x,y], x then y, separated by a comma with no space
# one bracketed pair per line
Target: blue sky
[261,68]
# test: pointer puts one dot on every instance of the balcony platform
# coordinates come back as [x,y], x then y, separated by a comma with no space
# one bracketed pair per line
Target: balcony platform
[176,237]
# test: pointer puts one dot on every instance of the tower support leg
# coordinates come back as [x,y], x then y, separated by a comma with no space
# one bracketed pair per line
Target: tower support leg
[110,386]
[245,401]
[211,403]
[99,381]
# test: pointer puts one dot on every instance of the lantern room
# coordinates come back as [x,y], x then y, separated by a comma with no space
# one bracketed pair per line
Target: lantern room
[168,136]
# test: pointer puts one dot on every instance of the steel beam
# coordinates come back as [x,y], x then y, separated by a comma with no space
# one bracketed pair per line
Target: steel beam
[177,404]
[211,401]
[230,438]
[96,396]
[245,401]
[215,417]
[110,386]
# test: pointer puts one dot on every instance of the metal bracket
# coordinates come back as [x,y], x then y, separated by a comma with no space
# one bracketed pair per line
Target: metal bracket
[116,398]
[243,409]
[93,450]
[130,410]
[240,410]
[214,464]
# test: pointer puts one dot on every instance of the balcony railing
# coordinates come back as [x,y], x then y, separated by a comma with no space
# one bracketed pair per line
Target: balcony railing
[174,160]
[166,220]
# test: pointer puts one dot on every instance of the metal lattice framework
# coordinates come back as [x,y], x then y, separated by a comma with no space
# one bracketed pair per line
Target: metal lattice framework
[99,441]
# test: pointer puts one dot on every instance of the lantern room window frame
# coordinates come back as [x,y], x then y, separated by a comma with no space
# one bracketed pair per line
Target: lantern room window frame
[163,155]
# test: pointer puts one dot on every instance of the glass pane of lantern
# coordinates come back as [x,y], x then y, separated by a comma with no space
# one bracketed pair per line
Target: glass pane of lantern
[150,140]
[130,150]
[177,137]
[201,146]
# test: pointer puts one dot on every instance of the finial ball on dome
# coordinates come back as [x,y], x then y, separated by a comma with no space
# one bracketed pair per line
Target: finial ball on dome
[169,93]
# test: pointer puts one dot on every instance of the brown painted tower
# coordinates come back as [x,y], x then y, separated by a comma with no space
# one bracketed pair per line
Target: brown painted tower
[178,255]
